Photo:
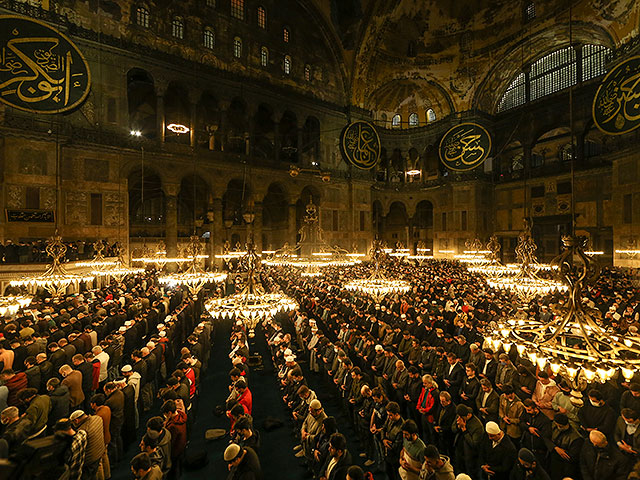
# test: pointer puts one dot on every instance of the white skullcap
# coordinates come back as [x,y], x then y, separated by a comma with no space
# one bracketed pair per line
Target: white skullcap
[167,318]
[492,428]
[122,329]
[315,404]
[288,352]
[379,348]
[289,358]
[463,476]
[75,415]
[161,326]
[232,452]
[128,323]
[163,333]
[126,368]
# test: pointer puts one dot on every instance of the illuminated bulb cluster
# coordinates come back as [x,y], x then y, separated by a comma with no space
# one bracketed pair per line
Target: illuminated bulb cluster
[10,305]
[527,287]
[378,287]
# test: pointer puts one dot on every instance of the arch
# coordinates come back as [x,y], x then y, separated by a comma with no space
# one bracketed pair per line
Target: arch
[141,102]
[207,120]
[414,121]
[236,128]
[147,203]
[396,121]
[264,57]
[177,27]
[286,65]
[235,201]
[309,192]
[192,199]
[547,147]
[264,132]
[142,16]
[423,218]
[177,110]
[262,17]
[311,141]
[237,47]
[396,224]
[275,216]
[209,38]
[289,137]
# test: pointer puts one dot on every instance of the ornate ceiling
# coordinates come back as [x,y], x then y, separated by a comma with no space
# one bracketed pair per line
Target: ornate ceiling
[456,56]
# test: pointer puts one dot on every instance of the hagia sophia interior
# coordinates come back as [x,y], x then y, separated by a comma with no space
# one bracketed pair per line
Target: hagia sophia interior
[445,127]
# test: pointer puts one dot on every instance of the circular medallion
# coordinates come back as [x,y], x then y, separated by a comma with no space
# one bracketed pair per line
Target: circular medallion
[360,145]
[616,106]
[465,146]
[41,70]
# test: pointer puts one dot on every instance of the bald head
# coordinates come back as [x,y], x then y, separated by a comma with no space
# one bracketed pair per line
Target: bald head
[598,439]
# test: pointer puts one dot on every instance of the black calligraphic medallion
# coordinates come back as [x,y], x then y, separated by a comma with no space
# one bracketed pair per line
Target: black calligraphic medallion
[616,106]
[41,70]
[465,146]
[360,145]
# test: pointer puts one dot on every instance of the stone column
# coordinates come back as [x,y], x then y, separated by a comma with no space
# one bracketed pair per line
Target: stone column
[224,107]
[291,230]
[161,90]
[171,222]
[217,232]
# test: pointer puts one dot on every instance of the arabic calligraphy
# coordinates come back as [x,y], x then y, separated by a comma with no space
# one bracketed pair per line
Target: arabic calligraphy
[616,106]
[39,216]
[465,146]
[41,70]
[360,145]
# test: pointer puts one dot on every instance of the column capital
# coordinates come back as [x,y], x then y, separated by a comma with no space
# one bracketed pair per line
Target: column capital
[171,189]
[161,85]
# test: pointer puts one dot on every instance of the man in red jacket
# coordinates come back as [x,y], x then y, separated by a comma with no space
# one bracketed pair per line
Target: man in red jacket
[176,422]
[245,398]
[15,383]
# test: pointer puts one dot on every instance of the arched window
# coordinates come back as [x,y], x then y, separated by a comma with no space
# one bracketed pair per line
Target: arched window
[515,95]
[383,119]
[237,9]
[529,12]
[177,28]
[262,17]
[414,121]
[553,72]
[537,160]
[566,153]
[396,120]
[431,115]
[209,38]
[593,61]
[237,47]
[285,35]
[264,56]
[142,17]
[307,73]
[286,65]
[210,3]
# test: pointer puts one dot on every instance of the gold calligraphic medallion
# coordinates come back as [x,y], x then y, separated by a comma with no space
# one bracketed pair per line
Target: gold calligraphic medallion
[616,106]
[465,147]
[360,145]
[41,70]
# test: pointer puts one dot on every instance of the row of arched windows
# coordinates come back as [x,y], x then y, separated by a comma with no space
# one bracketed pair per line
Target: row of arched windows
[414,119]
[143,19]
[555,72]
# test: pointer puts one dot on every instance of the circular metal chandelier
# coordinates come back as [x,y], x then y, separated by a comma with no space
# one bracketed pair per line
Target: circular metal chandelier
[526,283]
[252,305]
[10,305]
[194,277]
[55,279]
[377,285]
[575,341]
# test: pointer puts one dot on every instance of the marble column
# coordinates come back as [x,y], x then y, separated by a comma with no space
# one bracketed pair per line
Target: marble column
[291,230]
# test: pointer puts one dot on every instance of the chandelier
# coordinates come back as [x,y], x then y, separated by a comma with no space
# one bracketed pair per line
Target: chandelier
[576,341]
[253,304]
[194,277]
[55,279]
[312,253]
[377,285]
[10,305]
[121,270]
[526,283]
[492,267]
[159,258]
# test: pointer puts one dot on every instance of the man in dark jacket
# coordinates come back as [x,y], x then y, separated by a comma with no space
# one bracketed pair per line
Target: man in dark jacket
[599,460]
[468,433]
[60,401]
[536,429]
[115,402]
[597,415]
[527,467]
[564,449]
[338,461]
[497,453]
[243,463]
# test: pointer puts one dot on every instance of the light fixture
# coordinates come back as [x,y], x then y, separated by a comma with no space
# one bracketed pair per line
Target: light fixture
[178,128]
[413,173]
[194,278]
[55,279]
[575,341]
[377,285]
[526,283]
[253,304]
[135,133]
[11,304]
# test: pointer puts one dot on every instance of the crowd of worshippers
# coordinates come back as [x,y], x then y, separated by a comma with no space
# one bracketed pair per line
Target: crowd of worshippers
[80,373]
[321,443]
[429,399]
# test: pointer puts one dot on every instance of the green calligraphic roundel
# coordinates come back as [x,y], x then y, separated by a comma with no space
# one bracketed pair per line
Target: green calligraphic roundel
[360,145]
[616,106]
[41,70]
[465,146]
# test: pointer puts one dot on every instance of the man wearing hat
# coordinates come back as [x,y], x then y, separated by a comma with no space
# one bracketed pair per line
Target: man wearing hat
[497,453]
[243,463]
[96,448]
[311,427]
[527,467]
[564,449]
[468,433]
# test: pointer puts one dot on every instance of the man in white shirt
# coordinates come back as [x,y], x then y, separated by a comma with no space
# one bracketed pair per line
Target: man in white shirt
[103,357]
